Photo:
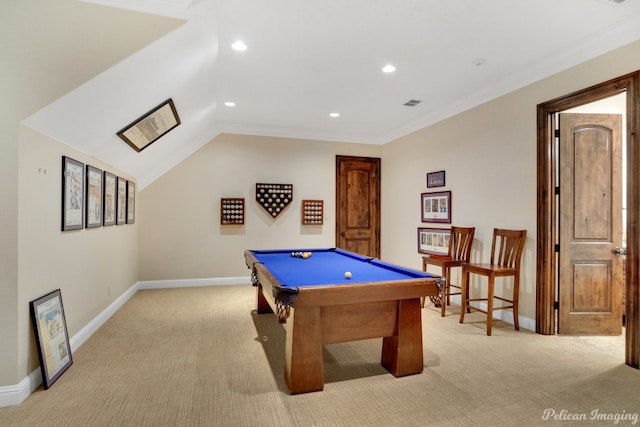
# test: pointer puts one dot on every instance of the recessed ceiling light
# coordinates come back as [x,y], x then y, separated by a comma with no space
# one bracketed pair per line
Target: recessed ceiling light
[334,115]
[239,45]
[230,104]
[478,61]
[388,68]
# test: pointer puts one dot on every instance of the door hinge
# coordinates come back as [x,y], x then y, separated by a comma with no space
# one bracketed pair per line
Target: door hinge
[556,305]
[557,133]
[557,248]
[556,191]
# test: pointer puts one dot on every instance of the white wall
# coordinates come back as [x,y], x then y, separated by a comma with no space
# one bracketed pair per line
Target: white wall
[179,216]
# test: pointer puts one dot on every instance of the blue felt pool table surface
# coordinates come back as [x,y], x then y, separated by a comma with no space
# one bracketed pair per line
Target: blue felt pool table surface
[327,266]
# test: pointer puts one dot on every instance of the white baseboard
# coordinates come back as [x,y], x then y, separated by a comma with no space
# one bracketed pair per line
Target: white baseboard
[187,283]
[14,394]
[89,329]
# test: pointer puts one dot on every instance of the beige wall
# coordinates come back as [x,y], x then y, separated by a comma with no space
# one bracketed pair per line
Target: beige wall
[179,216]
[91,267]
[489,155]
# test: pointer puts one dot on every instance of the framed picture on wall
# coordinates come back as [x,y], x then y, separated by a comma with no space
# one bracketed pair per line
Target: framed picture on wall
[72,194]
[109,197]
[131,202]
[52,338]
[436,179]
[433,241]
[93,199]
[121,201]
[436,207]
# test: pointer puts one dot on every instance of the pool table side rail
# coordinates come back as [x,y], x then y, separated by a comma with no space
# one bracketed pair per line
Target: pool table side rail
[364,292]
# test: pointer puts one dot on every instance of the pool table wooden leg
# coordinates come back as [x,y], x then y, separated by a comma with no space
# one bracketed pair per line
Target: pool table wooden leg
[304,368]
[262,304]
[402,353]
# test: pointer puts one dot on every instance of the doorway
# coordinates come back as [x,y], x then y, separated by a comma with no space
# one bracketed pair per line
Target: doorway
[590,227]
[548,207]
[358,205]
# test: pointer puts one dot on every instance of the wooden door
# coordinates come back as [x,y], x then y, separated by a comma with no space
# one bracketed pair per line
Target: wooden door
[590,271]
[358,205]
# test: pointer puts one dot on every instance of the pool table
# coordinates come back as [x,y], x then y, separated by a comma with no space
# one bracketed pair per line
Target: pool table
[318,305]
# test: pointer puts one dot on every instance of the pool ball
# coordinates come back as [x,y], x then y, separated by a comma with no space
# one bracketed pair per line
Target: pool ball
[347,275]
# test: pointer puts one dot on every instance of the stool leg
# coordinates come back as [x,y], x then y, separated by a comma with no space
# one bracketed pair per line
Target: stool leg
[464,294]
[445,291]
[424,268]
[516,291]
[490,305]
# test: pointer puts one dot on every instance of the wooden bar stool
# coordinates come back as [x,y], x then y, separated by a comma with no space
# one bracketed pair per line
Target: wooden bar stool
[459,252]
[506,254]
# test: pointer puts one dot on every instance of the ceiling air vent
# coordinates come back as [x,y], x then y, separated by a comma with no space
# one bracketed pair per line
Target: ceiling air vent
[412,103]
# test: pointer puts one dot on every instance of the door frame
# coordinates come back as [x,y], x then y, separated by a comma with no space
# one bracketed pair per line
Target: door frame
[546,278]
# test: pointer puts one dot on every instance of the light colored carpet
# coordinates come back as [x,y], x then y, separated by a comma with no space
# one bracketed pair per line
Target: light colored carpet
[203,357]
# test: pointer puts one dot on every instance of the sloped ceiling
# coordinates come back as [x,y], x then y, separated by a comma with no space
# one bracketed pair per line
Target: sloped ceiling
[307,59]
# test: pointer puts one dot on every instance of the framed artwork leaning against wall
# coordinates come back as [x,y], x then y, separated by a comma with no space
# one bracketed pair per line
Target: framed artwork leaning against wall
[52,338]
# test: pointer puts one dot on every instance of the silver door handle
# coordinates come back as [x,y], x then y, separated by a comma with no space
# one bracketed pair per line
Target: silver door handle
[619,251]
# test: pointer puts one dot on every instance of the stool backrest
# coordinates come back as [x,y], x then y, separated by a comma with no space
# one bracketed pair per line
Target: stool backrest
[507,246]
[460,243]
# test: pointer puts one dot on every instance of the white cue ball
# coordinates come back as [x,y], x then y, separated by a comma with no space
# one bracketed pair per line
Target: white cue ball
[347,275]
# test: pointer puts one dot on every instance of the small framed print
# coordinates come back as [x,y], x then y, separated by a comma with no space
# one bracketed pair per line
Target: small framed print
[52,338]
[131,202]
[72,194]
[435,179]
[436,207]
[93,210]
[121,201]
[109,196]
[433,241]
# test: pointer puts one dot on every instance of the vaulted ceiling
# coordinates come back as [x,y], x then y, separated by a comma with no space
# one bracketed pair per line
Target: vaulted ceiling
[307,59]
